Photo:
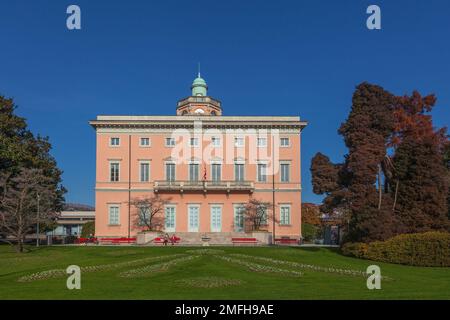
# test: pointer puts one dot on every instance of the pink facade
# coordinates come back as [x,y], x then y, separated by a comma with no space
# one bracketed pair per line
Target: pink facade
[207,164]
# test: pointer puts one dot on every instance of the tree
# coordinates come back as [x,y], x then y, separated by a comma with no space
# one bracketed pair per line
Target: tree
[257,214]
[150,214]
[88,229]
[26,199]
[21,150]
[393,178]
[423,187]
[311,214]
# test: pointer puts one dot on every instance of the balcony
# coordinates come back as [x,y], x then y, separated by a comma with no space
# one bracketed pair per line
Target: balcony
[203,186]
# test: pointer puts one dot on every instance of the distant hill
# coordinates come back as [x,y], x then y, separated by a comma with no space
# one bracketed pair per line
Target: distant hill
[78,207]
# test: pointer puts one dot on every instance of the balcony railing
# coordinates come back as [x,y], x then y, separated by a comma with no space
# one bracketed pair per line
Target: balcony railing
[203,185]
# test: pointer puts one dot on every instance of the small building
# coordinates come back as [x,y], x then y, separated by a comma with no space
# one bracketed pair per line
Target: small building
[70,223]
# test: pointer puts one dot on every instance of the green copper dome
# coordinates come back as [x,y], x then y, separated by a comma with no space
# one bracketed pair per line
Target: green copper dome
[199,87]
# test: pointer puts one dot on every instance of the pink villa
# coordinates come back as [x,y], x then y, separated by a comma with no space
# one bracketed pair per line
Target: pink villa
[206,165]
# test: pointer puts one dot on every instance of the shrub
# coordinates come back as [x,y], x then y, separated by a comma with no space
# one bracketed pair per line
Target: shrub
[88,229]
[354,249]
[429,249]
[309,232]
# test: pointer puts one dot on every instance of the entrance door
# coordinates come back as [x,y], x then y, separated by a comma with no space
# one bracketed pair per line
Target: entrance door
[216,219]
[170,219]
[193,218]
[238,218]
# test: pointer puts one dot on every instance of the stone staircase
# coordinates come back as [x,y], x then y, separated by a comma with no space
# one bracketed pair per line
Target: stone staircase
[216,238]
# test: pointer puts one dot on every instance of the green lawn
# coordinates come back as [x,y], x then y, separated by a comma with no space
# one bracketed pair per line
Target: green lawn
[226,273]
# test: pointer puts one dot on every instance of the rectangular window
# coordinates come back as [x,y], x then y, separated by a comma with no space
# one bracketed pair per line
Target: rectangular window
[262,172]
[144,216]
[170,171]
[216,169]
[193,172]
[145,142]
[114,142]
[239,172]
[215,141]
[193,142]
[262,142]
[114,215]
[144,169]
[170,142]
[238,142]
[114,169]
[285,215]
[263,215]
[284,172]
[284,142]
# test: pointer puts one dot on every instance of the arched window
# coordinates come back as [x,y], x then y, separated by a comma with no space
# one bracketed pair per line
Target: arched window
[184,112]
[213,113]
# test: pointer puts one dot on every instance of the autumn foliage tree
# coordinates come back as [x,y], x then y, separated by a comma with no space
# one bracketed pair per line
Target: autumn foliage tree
[393,179]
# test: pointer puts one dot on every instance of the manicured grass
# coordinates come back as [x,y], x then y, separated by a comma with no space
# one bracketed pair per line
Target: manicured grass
[404,283]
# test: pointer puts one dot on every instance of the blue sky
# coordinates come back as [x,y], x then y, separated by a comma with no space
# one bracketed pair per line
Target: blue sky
[259,58]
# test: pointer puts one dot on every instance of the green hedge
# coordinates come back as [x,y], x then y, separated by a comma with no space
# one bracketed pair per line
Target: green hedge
[429,249]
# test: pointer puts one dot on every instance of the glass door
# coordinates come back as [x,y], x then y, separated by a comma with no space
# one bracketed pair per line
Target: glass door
[169,221]
[193,218]
[238,218]
[216,219]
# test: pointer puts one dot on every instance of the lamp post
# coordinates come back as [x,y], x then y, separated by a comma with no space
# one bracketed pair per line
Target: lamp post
[37,220]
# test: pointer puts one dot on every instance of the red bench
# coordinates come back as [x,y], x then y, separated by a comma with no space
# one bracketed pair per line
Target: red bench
[85,240]
[160,240]
[117,240]
[286,241]
[244,240]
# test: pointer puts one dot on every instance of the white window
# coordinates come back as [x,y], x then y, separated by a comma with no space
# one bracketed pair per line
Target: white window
[193,172]
[145,142]
[284,142]
[216,172]
[215,141]
[170,142]
[263,215]
[262,142]
[239,172]
[113,214]
[144,215]
[193,142]
[114,142]
[285,215]
[262,172]
[239,142]
[114,171]
[170,171]
[170,218]
[284,172]
[144,171]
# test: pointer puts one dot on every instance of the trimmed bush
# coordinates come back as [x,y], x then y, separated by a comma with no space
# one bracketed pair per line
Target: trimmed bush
[429,249]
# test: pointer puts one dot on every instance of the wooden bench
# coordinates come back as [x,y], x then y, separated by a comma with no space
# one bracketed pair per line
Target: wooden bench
[160,240]
[286,241]
[244,241]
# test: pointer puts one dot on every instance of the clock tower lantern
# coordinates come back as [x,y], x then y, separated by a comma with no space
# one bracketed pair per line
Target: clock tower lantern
[199,103]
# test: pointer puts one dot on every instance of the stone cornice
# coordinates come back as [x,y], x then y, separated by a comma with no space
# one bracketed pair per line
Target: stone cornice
[207,122]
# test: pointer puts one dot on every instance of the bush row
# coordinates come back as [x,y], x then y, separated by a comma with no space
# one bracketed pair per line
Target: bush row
[430,249]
